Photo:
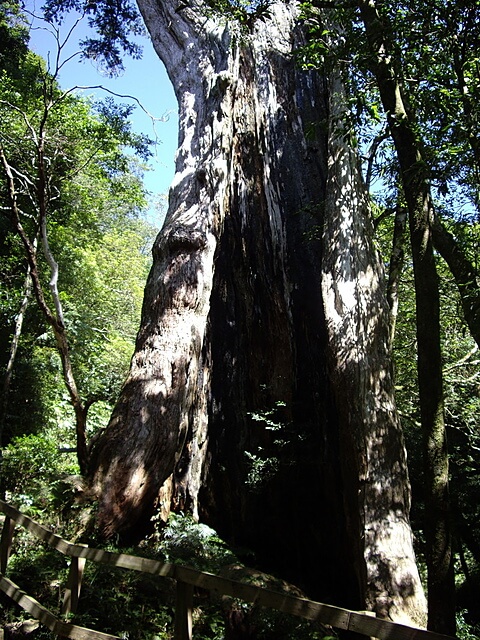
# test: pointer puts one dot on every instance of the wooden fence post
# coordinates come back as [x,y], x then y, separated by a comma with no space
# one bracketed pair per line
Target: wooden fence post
[183,611]
[372,614]
[73,586]
[6,543]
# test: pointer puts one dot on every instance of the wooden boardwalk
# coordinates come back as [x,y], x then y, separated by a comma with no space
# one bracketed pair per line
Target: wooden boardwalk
[186,579]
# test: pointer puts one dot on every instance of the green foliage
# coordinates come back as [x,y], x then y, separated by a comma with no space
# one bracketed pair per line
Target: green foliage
[242,12]
[113,22]
[97,234]
[13,36]
[466,631]
[439,56]
[126,603]
[435,47]
[277,444]
[261,468]
[38,569]
[185,541]
[103,324]
[31,468]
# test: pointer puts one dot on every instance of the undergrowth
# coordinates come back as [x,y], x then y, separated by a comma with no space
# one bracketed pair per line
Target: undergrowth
[139,606]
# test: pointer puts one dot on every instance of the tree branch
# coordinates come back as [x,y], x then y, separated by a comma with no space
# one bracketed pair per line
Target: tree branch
[464,273]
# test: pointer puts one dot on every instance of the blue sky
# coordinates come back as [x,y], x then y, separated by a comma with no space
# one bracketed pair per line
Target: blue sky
[145,79]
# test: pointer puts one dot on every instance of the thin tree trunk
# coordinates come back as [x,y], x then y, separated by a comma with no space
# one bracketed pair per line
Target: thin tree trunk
[441,587]
[54,320]
[397,257]
[17,332]
[233,327]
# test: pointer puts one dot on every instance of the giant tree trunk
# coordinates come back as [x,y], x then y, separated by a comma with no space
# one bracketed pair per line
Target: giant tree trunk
[232,409]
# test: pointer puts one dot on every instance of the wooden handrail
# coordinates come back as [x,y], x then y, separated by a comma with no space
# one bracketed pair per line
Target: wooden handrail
[34,608]
[123,560]
[186,578]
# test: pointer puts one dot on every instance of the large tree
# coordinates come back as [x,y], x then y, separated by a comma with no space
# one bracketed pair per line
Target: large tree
[260,396]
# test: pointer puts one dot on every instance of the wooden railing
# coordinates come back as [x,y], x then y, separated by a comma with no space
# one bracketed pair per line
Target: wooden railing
[186,579]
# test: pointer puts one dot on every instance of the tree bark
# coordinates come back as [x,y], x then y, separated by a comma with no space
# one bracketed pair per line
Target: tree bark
[357,316]
[230,409]
[416,187]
